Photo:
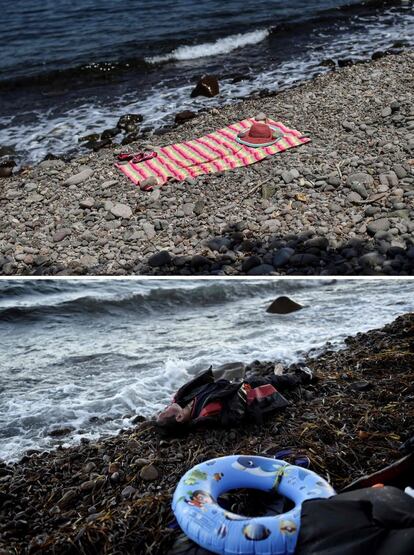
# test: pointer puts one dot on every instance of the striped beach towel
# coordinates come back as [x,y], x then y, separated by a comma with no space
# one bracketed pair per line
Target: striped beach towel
[216,152]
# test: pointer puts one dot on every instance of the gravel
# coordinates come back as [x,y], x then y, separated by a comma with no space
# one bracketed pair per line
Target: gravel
[356,174]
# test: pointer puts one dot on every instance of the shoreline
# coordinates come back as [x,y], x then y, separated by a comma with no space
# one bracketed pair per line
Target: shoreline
[115,493]
[302,212]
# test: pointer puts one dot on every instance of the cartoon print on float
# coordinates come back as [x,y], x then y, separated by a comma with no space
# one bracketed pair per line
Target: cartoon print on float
[258,467]
[195,477]
[287,527]
[256,532]
[199,499]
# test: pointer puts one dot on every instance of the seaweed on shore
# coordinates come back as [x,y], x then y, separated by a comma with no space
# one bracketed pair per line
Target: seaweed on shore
[114,496]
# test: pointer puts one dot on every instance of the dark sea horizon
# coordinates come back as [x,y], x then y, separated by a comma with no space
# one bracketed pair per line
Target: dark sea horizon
[69,68]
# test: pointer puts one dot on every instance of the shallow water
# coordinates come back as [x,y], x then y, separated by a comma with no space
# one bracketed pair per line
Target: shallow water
[87,353]
[69,68]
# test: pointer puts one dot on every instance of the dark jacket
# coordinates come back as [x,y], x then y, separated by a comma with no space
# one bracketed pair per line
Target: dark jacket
[225,403]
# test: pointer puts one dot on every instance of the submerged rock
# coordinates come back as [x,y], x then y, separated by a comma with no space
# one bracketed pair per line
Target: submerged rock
[125,122]
[207,86]
[283,305]
[6,168]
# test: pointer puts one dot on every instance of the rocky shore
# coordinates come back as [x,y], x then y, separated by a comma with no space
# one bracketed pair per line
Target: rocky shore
[342,204]
[113,496]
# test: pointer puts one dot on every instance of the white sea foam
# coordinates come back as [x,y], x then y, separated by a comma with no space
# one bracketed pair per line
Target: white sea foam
[220,46]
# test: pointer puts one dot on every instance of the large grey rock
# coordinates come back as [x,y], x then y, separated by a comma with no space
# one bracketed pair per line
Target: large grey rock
[34,198]
[271,225]
[382,224]
[199,207]
[88,261]
[288,177]
[80,177]
[149,230]
[121,211]
[87,202]
[360,189]
[188,209]
[61,234]
[354,197]
[400,171]
[360,178]
[52,165]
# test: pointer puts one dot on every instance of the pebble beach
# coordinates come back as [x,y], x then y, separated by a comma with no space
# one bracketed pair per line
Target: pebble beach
[341,205]
[114,495]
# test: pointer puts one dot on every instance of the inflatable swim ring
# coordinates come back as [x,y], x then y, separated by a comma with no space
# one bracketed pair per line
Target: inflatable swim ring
[212,527]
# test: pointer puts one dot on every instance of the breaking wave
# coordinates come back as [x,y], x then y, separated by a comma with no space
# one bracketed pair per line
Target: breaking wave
[148,302]
[220,46]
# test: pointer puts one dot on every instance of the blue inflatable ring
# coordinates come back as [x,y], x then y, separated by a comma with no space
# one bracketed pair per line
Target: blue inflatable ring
[213,528]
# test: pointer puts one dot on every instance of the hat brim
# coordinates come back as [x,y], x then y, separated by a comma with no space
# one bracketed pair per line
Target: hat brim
[257,143]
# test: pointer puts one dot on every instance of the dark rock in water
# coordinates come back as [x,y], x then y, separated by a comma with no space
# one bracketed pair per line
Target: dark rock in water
[97,145]
[129,119]
[110,133]
[7,151]
[239,77]
[131,138]
[283,305]
[401,44]
[328,63]
[6,168]
[59,432]
[89,138]
[182,117]
[207,86]
[345,62]
[131,128]
[101,144]
[378,55]
[264,93]
[159,259]
[51,156]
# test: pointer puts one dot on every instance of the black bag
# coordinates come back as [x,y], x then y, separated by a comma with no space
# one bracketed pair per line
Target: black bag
[369,521]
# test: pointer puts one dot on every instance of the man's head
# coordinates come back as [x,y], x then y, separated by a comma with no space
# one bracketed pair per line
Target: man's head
[174,415]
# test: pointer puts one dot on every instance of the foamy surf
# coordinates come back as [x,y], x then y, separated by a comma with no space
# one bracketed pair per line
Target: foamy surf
[220,46]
